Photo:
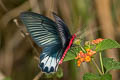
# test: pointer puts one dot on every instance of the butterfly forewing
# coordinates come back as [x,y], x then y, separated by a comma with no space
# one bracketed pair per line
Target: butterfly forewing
[43,30]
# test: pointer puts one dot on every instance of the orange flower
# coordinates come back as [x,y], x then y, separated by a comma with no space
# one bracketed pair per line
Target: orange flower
[82,54]
[78,63]
[88,49]
[82,59]
[87,58]
[91,53]
[76,57]
[97,41]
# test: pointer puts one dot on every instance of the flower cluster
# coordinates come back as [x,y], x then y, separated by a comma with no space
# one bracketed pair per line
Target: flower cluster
[77,42]
[88,53]
[97,41]
[84,57]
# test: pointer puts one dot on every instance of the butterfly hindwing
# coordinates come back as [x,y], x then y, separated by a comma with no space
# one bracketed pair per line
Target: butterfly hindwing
[49,62]
[63,29]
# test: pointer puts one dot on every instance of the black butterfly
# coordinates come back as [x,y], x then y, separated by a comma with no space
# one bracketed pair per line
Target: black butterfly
[53,37]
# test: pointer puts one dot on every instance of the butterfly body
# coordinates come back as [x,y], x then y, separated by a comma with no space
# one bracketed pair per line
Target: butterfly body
[53,37]
[68,47]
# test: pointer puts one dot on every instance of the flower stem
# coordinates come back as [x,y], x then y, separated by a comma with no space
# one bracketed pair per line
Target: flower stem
[101,62]
[97,66]
[82,49]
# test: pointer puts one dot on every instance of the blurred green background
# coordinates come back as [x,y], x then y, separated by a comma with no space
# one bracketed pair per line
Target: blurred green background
[19,55]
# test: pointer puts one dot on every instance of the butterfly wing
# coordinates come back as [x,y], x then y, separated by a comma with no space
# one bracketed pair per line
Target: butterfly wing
[43,30]
[49,62]
[45,34]
[63,30]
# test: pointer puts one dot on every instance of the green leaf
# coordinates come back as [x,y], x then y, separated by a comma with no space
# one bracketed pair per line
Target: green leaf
[7,78]
[110,63]
[71,54]
[107,44]
[106,77]
[49,75]
[91,76]
[59,73]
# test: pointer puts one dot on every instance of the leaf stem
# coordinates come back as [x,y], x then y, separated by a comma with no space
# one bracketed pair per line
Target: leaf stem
[97,66]
[101,62]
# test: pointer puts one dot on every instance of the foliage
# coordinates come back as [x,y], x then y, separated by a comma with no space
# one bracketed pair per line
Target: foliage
[105,44]
[89,49]
[7,78]
[91,76]
[110,63]
[71,54]
[58,74]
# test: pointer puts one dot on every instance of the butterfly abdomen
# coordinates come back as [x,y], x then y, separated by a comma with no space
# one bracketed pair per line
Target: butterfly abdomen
[68,47]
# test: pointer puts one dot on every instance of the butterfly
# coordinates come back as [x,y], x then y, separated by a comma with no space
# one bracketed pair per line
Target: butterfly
[53,37]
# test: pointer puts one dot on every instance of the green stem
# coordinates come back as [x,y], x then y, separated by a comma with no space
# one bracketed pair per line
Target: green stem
[83,49]
[101,62]
[97,66]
